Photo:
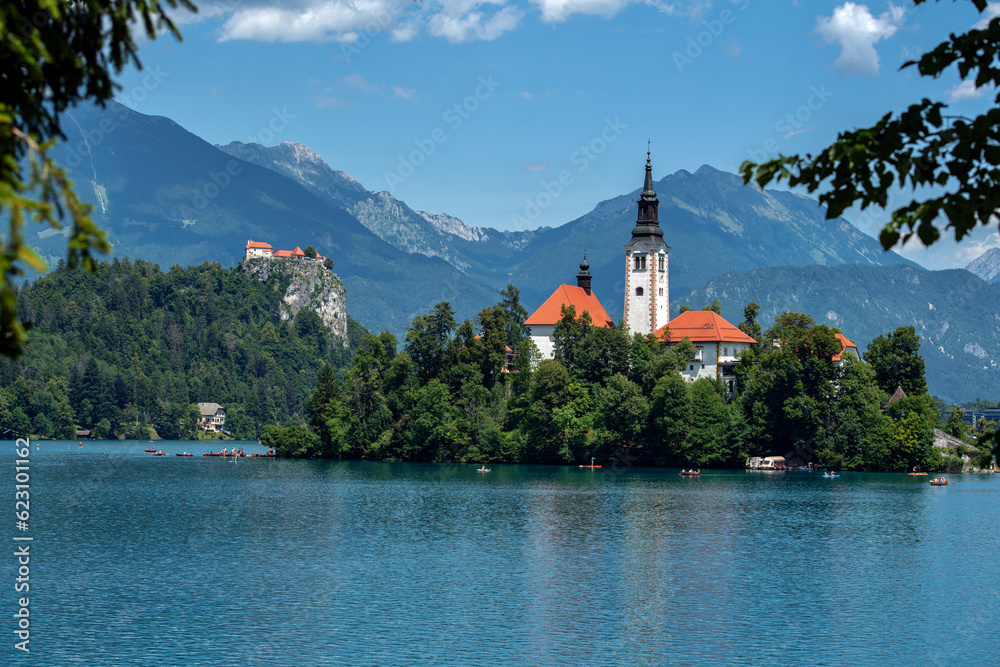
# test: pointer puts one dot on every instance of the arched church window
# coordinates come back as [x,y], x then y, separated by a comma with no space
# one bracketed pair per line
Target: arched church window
[640,262]
[661,291]
[638,291]
[663,262]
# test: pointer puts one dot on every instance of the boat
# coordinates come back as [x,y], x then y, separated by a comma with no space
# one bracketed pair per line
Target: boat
[939,482]
[772,463]
[831,475]
[687,473]
[263,456]
[912,474]
[483,469]
[583,466]
[150,450]
[184,454]
[159,453]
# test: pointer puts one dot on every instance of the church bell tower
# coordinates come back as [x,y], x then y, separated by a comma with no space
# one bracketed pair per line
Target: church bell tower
[647,259]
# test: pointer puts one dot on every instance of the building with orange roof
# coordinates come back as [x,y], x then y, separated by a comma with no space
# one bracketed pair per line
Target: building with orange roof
[542,323]
[847,349]
[258,249]
[718,343]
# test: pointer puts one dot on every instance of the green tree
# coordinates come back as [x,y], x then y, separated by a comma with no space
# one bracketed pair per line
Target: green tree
[427,339]
[310,251]
[59,54]
[896,360]
[917,148]
[750,326]
[956,425]
[715,307]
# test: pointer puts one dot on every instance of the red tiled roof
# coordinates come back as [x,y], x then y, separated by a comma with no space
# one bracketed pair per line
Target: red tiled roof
[703,326]
[258,244]
[550,312]
[282,253]
[298,252]
[844,344]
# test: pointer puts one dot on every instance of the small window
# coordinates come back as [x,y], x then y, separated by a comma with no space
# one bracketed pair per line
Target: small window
[638,291]
[725,351]
[663,262]
[661,291]
[690,367]
[640,262]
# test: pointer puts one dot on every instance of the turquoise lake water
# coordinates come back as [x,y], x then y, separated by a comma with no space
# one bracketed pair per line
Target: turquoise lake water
[140,560]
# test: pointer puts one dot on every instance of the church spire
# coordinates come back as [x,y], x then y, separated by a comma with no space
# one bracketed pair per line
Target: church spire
[583,278]
[647,226]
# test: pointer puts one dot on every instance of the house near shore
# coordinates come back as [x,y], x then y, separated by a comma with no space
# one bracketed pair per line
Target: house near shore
[262,250]
[213,416]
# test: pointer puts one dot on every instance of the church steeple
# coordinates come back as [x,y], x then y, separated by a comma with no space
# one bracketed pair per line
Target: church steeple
[583,278]
[647,226]
[647,264]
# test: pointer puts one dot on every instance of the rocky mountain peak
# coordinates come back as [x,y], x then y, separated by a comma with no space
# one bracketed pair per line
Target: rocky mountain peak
[986,266]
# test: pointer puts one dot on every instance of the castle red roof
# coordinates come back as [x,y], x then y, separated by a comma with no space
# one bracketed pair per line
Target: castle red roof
[705,326]
[258,244]
[550,312]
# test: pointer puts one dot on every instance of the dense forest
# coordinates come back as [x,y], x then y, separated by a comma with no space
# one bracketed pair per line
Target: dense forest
[446,395]
[131,349]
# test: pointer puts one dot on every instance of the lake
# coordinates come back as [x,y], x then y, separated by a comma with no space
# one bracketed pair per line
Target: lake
[140,560]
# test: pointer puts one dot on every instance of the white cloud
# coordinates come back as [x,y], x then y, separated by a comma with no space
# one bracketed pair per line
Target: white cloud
[406,31]
[856,31]
[966,90]
[344,20]
[310,21]
[403,93]
[991,12]
[536,166]
[459,26]
[556,11]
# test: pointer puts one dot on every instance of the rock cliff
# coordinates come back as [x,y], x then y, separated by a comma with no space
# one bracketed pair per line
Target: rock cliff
[312,286]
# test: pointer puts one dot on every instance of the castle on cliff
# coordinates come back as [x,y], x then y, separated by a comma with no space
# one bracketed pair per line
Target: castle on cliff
[257,249]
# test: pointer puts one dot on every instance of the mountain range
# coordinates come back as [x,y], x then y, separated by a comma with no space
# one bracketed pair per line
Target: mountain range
[165,195]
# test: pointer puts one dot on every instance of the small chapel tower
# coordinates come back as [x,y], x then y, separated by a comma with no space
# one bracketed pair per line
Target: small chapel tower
[647,286]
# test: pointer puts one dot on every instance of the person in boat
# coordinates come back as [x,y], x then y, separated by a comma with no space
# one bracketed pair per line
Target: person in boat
[483,469]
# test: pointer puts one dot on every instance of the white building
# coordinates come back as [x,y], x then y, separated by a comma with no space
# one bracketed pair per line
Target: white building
[542,323]
[257,249]
[647,266]
[717,341]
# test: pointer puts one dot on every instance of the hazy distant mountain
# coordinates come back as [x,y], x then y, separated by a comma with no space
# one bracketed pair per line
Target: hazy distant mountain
[422,232]
[169,197]
[956,315]
[713,224]
[987,265]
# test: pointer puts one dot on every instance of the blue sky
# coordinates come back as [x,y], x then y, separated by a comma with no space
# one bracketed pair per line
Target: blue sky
[475,108]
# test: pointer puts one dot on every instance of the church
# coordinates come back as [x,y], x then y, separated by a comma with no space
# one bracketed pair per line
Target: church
[647,300]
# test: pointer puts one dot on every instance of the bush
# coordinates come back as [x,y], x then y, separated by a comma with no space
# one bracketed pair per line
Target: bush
[830,459]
